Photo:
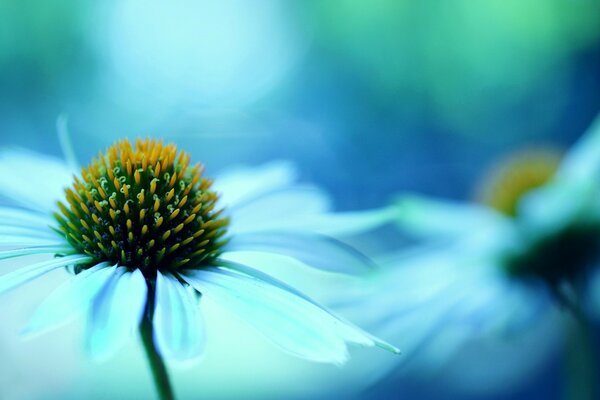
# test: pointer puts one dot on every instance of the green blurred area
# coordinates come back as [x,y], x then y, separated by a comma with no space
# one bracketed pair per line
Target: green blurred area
[468,61]
[42,46]
[469,67]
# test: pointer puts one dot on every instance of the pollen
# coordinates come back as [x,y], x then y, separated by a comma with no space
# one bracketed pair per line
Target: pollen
[503,187]
[144,207]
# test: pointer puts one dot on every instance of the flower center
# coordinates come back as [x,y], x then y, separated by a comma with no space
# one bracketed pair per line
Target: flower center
[507,182]
[562,257]
[143,207]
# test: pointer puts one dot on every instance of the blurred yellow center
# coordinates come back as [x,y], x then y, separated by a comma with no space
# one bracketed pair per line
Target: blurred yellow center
[508,181]
[143,207]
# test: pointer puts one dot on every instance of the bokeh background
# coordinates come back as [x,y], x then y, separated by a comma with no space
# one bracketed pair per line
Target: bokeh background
[368,98]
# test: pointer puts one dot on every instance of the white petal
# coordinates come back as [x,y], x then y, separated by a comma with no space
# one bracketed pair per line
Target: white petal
[445,298]
[293,323]
[41,232]
[430,217]
[25,274]
[27,251]
[351,333]
[582,162]
[178,325]
[116,313]
[317,251]
[331,223]
[33,180]
[66,144]
[277,207]
[25,217]
[69,299]
[553,206]
[13,241]
[242,183]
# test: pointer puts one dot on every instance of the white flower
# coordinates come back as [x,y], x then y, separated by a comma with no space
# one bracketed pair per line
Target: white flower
[146,236]
[495,271]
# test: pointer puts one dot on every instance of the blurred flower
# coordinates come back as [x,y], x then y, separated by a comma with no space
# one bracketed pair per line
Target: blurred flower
[499,268]
[146,236]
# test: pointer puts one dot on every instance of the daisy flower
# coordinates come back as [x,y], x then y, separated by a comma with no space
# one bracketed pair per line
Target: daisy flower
[499,268]
[146,236]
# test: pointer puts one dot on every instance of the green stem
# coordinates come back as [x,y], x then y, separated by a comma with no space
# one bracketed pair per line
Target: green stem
[581,371]
[157,365]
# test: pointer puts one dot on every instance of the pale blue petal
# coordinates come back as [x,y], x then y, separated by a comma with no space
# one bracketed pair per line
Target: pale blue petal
[10,215]
[278,317]
[350,332]
[582,162]
[13,241]
[552,207]
[243,183]
[33,180]
[291,322]
[69,299]
[336,224]
[178,324]
[116,313]
[317,251]
[411,304]
[445,297]
[277,207]
[25,274]
[27,251]
[416,281]
[41,232]
[427,217]
[66,144]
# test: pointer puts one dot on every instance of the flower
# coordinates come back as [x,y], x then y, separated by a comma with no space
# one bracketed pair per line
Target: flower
[498,269]
[146,236]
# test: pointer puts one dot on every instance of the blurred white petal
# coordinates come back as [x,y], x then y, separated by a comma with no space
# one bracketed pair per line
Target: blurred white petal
[327,223]
[277,207]
[294,324]
[41,232]
[27,251]
[350,332]
[33,180]
[242,183]
[116,313]
[12,215]
[179,330]
[13,241]
[317,251]
[430,217]
[25,274]
[556,205]
[582,162]
[69,299]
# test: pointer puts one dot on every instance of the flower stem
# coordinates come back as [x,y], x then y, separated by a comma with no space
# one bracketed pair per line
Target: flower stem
[157,365]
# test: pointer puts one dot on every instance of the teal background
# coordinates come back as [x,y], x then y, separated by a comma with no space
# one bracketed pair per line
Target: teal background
[368,98]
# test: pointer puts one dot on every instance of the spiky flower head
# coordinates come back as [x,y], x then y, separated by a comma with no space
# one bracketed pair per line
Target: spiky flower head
[556,257]
[143,207]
